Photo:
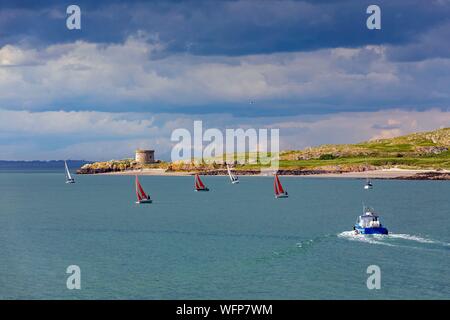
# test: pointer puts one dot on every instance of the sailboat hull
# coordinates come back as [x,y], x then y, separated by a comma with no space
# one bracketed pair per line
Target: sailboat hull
[235,181]
[70,181]
[281,196]
[144,201]
[205,189]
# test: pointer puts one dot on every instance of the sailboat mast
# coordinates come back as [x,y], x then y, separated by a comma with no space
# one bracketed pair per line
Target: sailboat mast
[229,173]
[137,191]
[275,185]
[68,176]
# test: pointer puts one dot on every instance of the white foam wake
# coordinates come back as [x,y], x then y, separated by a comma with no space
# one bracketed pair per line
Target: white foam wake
[372,239]
[388,239]
[412,238]
[417,239]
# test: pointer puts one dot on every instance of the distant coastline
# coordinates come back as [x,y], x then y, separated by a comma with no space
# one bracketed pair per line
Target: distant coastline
[418,156]
[421,156]
[162,169]
[40,164]
[393,173]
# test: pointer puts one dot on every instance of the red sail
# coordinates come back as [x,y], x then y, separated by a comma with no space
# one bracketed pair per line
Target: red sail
[201,183]
[138,195]
[198,183]
[278,185]
[143,194]
[139,191]
[197,186]
[275,187]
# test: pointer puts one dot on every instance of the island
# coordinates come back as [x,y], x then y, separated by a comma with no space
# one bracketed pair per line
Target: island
[421,156]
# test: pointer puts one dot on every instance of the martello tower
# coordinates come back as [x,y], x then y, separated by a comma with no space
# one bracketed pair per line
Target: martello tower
[145,156]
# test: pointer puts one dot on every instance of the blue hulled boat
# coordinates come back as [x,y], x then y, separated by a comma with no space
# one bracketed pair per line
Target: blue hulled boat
[369,223]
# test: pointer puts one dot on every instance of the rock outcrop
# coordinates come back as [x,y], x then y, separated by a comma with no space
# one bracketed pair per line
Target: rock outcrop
[427,176]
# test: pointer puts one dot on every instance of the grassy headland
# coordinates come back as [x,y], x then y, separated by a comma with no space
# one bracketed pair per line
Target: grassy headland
[424,150]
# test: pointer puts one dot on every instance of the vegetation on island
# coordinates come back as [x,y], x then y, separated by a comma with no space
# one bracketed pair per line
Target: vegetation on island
[424,150]
[119,165]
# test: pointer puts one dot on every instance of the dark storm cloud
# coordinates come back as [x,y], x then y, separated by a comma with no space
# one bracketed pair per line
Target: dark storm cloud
[234,27]
[207,57]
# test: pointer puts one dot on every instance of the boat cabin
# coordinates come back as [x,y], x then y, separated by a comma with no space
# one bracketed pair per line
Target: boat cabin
[368,220]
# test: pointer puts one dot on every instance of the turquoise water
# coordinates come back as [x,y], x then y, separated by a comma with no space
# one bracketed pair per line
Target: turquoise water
[234,242]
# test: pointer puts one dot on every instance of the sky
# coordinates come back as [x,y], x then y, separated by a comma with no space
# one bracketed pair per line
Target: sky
[137,70]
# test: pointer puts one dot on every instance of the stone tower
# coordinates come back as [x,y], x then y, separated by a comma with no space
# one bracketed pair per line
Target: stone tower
[145,156]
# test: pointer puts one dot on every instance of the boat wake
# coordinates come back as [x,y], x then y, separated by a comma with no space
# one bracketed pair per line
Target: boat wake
[396,240]
[301,246]
[391,240]
[415,238]
[372,239]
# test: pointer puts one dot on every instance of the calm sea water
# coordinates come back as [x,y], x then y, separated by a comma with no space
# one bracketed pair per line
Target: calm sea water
[235,242]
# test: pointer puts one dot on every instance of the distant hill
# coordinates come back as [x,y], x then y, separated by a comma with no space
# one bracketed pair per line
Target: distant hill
[416,144]
[40,165]
[424,150]
[420,150]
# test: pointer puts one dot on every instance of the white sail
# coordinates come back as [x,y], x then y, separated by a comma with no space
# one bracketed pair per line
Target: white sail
[229,173]
[368,184]
[68,175]
[233,178]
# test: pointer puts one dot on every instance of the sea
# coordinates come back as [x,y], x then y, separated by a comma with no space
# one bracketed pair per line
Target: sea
[234,242]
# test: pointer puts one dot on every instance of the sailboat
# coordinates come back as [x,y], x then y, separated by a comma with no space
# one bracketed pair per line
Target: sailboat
[199,186]
[69,178]
[234,179]
[142,197]
[279,191]
[368,184]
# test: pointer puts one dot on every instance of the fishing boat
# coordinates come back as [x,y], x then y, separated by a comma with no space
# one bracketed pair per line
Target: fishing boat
[368,184]
[234,179]
[69,178]
[278,188]
[199,186]
[369,223]
[142,197]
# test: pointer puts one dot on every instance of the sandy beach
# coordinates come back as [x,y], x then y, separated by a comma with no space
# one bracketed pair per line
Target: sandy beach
[378,174]
[147,172]
[392,173]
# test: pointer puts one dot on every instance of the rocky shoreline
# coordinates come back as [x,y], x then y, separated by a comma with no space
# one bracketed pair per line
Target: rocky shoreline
[320,173]
[282,172]
[99,170]
[426,176]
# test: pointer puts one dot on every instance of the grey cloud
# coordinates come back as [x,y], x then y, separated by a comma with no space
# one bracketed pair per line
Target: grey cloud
[230,28]
[123,77]
[104,136]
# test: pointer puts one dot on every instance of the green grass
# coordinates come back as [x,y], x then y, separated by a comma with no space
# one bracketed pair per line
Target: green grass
[403,152]
[441,161]
[425,162]
[387,147]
